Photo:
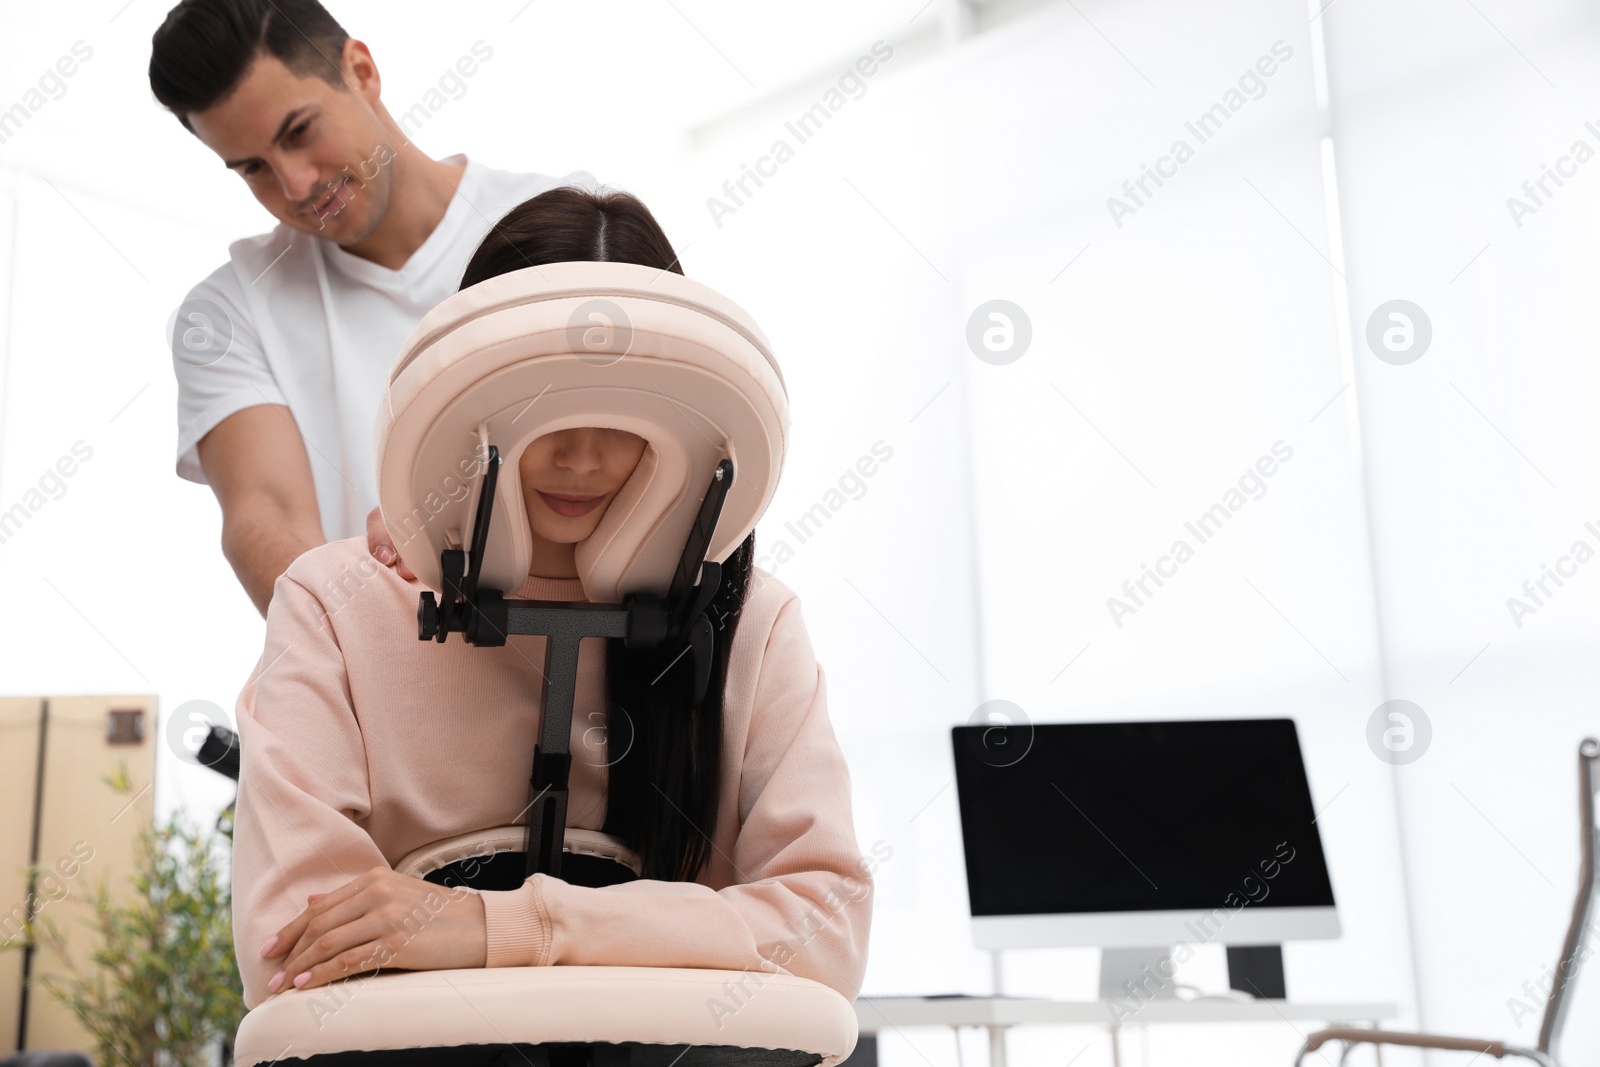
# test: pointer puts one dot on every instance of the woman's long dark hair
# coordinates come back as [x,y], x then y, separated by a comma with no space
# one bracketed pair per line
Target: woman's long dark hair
[662,798]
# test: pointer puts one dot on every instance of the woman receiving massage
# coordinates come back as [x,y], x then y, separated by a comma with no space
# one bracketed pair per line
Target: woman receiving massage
[361,744]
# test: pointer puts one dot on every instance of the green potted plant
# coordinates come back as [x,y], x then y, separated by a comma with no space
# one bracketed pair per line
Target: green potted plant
[164,987]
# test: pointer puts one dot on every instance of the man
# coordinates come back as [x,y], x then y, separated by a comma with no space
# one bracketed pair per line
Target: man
[282,353]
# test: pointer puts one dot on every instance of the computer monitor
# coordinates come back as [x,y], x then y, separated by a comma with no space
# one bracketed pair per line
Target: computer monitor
[1133,835]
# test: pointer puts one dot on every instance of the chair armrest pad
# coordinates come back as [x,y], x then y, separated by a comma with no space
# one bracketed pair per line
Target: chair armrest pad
[1315,1041]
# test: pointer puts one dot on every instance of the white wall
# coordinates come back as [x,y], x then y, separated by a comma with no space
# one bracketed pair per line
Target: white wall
[1482,467]
[1171,354]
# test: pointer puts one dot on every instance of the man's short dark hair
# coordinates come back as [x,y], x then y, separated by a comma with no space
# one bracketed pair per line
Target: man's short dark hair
[201,52]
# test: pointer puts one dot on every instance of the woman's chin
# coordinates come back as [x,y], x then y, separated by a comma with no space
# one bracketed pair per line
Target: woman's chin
[560,531]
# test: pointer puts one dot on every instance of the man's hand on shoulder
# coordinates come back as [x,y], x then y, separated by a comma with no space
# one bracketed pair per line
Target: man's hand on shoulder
[381,545]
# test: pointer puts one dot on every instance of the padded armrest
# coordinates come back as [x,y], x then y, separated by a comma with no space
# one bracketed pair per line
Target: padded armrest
[1353,1035]
[536,1005]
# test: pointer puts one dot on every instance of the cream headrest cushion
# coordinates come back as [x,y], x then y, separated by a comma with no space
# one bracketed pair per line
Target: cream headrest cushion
[579,344]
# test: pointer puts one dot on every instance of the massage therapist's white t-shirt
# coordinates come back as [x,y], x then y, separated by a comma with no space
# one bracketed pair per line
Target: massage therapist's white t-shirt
[295,319]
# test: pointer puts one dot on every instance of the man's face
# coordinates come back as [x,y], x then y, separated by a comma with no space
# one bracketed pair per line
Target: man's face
[314,156]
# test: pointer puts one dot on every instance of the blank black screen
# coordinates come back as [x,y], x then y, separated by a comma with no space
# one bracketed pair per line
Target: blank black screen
[1139,816]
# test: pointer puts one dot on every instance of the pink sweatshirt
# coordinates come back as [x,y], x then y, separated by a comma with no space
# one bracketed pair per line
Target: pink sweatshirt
[362,743]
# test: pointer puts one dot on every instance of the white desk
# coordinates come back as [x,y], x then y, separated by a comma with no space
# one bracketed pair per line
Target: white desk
[876,1014]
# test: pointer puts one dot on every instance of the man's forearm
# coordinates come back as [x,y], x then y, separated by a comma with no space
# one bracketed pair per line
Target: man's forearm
[261,549]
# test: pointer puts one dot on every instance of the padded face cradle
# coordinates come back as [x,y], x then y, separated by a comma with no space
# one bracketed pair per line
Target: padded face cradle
[571,345]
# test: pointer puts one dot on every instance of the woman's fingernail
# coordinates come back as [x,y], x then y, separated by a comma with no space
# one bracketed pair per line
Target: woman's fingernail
[302,978]
[272,943]
[277,980]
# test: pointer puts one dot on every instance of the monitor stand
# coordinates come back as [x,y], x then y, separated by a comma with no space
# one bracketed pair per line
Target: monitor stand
[1257,970]
[997,1034]
[1142,973]
[1148,973]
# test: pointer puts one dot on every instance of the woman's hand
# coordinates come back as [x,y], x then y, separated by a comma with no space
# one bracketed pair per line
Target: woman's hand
[382,546]
[382,919]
